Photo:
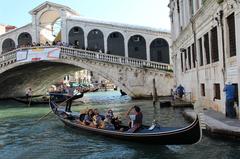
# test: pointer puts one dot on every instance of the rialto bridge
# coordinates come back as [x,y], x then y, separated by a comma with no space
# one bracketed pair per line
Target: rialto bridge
[130,56]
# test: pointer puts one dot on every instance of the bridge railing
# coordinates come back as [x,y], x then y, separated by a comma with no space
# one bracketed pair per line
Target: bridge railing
[11,56]
[114,59]
[8,58]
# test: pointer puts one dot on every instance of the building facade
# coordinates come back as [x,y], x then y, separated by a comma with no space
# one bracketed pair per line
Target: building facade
[53,22]
[206,54]
[6,28]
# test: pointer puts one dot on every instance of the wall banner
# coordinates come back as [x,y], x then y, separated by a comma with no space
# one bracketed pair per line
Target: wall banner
[38,54]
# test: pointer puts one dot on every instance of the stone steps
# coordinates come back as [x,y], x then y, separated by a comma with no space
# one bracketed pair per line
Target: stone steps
[175,104]
[216,124]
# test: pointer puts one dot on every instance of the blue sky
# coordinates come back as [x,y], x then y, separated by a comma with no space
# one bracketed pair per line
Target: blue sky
[150,13]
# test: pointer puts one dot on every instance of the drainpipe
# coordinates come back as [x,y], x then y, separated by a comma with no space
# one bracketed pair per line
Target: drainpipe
[196,57]
[223,46]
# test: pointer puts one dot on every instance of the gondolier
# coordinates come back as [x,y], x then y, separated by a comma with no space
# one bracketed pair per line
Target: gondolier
[28,93]
[70,93]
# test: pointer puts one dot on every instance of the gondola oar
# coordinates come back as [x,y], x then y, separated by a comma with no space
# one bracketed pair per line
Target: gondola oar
[29,104]
[51,110]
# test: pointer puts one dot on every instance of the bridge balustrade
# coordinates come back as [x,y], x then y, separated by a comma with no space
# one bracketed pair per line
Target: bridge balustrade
[10,57]
[114,59]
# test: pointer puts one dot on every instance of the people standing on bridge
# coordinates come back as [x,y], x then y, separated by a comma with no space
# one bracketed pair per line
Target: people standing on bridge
[47,43]
[229,89]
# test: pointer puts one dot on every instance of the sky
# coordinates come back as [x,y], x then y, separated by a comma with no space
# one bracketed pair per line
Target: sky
[150,13]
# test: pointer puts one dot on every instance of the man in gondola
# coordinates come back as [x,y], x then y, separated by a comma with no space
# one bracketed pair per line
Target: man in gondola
[28,93]
[135,120]
[70,93]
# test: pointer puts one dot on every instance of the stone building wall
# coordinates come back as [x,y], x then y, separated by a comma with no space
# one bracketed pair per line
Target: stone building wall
[204,20]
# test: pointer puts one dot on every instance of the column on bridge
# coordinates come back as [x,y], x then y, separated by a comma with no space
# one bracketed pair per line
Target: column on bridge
[105,37]
[64,33]
[126,38]
[148,49]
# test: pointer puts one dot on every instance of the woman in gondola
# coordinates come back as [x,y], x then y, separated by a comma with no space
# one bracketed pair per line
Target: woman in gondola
[88,118]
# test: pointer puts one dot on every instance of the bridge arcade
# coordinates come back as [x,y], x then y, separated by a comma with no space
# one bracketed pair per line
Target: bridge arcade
[130,56]
[106,37]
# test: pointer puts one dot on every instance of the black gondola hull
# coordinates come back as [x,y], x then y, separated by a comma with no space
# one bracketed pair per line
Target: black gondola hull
[181,136]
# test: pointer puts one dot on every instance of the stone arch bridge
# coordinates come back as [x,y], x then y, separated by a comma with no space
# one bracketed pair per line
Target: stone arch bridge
[133,76]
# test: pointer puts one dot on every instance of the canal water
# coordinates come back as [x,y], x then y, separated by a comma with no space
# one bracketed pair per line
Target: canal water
[22,136]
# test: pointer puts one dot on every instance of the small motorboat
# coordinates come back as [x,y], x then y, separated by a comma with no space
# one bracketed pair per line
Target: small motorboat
[146,134]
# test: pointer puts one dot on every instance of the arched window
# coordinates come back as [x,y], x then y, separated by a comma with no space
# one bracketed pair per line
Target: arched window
[24,39]
[8,45]
[95,40]
[76,38]
[137,47]
[115,44]
[159,51]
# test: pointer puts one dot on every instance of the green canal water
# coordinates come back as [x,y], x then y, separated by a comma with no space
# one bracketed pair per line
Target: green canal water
[22,137]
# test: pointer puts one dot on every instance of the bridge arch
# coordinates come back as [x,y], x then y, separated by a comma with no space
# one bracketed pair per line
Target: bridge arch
[49,22]
[24,39]
[76,37]
[115,44]
[159,50]
[8,45]
[96,40]
[36,72]
[131,78]
[137,47]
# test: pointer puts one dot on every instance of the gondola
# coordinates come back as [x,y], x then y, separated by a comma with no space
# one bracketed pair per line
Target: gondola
[33,101]
[123,93]
[59,98]
[158,135]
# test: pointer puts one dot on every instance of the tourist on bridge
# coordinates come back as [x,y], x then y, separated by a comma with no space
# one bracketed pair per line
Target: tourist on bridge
[229,89]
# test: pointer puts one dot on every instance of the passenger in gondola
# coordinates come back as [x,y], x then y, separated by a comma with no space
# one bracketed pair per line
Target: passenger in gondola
[88,118]
[109,115]
[109,120]
[97,119]
[135,120]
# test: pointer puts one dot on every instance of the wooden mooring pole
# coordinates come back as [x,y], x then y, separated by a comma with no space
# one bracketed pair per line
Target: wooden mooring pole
[154,94]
